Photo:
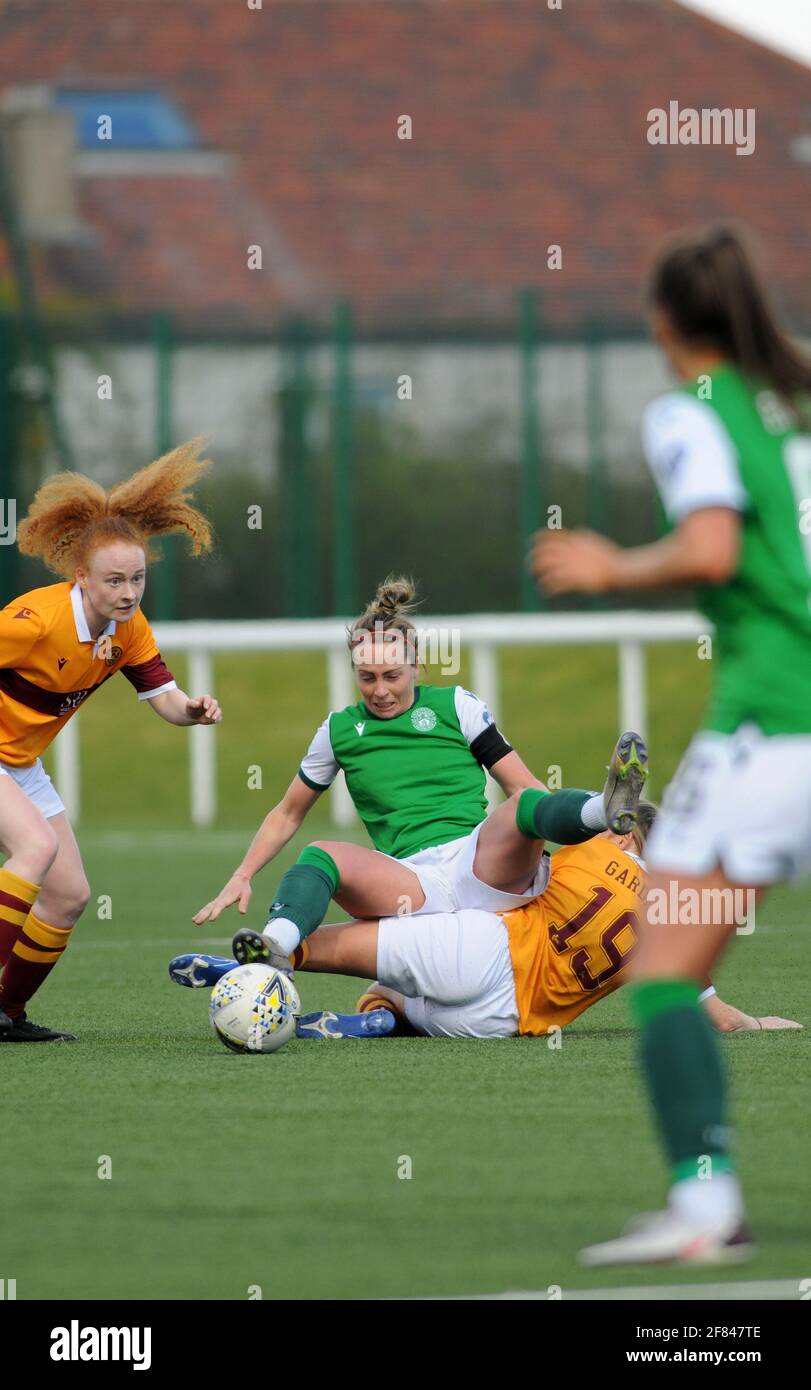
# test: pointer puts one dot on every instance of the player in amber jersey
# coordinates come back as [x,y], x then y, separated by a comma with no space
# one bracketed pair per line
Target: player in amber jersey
[730,450]
[570,946]
[479,974]
[58,644]
[475,974]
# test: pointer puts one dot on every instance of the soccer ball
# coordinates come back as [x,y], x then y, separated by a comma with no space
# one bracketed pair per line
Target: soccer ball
[254,1008]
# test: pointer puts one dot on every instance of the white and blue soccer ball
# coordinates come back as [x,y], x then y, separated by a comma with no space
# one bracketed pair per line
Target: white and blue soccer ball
[254,1008]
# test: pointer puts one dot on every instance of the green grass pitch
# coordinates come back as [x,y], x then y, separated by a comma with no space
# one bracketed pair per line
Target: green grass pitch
[281,1172]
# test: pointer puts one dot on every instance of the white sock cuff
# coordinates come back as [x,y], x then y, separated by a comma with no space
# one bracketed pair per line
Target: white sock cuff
[284,932]
[593,813]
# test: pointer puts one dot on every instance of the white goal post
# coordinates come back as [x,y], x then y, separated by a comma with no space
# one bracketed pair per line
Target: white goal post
[480,635]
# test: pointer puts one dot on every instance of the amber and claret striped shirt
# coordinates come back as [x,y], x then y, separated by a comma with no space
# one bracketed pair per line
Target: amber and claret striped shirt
[571,945]
[49,664]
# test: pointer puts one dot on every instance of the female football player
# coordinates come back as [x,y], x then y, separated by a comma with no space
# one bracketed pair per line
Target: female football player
[414,757]
[477,974]
[57,645]
[732,462]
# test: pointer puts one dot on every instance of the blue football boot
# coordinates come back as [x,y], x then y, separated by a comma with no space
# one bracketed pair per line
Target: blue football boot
[197,972]
[377,1023]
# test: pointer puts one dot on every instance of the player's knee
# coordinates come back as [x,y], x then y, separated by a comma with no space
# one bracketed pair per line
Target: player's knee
[330,847]
[39,850]
[81,896]
[73,899]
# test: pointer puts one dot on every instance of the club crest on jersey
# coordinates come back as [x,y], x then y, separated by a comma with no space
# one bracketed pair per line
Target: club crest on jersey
[104,648]
[424,720]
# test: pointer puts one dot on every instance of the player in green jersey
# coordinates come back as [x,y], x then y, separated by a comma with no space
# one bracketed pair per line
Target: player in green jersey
[414,757]
[731,454]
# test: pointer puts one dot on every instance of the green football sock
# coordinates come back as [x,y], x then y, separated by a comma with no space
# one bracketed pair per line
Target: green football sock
[553,815]
[306,889]
[685,1078]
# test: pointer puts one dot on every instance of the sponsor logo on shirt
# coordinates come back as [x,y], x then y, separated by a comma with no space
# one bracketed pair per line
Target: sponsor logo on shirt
[360,727]
[424,720]
[72,701]
[24,613]
[61,661]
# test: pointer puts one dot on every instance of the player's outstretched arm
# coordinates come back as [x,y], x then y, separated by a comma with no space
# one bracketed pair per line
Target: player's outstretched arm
[178,708]
[278,827]
[702,549]
[725,1018]
[513,775]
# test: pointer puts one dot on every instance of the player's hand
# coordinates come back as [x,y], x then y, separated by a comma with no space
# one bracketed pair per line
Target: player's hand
[204,710]
[725,1018]
[237,890]
[574,562]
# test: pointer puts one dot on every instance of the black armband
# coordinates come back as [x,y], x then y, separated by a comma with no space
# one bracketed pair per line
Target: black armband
[490,746]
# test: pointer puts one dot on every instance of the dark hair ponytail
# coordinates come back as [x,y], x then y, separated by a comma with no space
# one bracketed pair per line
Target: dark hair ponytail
[388,613]
[709,285]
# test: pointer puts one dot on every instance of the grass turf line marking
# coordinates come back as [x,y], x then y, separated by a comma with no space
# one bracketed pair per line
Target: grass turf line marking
[743,1289]
[192,840]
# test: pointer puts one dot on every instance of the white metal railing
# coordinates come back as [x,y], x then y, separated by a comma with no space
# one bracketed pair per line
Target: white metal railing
[480,634]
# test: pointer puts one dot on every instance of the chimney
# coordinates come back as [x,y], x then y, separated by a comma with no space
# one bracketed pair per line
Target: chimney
[39,144]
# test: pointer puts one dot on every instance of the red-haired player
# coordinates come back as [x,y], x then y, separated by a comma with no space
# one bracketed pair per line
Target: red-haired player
[58,644]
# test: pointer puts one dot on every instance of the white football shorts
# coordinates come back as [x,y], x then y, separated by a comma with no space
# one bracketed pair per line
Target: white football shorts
[741,801]
[455,970]
[447,879]
[37,786]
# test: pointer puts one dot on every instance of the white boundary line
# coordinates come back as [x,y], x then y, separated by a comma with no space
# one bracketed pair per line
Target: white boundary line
[742,1289]
[192,840]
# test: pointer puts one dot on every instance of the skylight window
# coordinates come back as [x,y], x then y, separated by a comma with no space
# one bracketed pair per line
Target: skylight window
[145,120]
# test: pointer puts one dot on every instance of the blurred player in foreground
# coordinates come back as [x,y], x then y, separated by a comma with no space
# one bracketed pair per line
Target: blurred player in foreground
[733,466]
[57,645]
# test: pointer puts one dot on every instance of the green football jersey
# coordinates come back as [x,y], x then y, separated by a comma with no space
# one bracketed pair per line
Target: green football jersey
[418,779]
[740,448]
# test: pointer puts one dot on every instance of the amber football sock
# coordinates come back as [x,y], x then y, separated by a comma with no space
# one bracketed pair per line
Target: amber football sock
[17,897]
[370,1000]
[33,957]
[298,958]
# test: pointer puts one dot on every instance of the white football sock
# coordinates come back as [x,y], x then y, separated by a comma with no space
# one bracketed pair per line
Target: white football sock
[593,813]
[285,933]
[708,1200]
